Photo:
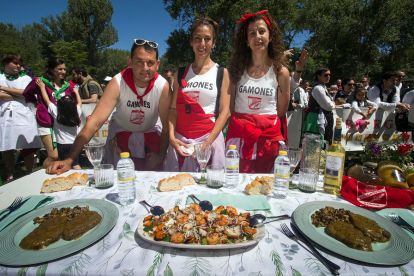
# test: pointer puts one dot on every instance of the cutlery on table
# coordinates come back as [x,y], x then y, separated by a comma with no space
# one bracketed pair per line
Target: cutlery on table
[204,204]
[333,268]
[155,210]
[15,207]
[400,221]
[13,204]
[259,218]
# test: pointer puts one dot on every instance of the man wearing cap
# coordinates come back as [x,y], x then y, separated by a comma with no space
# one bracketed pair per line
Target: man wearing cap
[105,82]
[89,90]
[142,99]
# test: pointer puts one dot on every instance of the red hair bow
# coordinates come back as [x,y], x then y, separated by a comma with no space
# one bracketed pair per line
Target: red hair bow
[247,16]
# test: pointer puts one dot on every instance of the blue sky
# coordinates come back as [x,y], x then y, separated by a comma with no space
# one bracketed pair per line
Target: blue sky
[132,19]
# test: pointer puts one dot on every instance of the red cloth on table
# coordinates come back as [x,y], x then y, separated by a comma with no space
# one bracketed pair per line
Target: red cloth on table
[375,197]
[261,129]
[152,142]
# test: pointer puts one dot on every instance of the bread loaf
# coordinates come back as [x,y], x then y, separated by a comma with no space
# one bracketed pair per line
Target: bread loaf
[169,184]
[57,184]
[254,188]
[185,179]
[78,178]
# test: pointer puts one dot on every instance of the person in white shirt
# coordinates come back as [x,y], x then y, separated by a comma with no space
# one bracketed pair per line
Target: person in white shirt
[319,116]
[386,95]
[360,100]
[300,97]
[66,114]
[365,82]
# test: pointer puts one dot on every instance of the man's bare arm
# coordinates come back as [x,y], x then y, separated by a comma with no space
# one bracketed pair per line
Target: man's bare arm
[16,93]
[92,99]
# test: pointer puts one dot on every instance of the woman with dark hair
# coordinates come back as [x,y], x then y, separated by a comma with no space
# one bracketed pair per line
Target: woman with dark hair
[17,126]
[66,114]
[260,92]
[319,116]
[199,107]
[347,92]
[56,87]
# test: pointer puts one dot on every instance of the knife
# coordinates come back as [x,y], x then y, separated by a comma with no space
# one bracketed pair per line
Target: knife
[15,208]
[405,224]
[333,268]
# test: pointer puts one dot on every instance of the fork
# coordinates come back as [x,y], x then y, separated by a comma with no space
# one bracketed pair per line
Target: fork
[333,268]
[14,203]
[394,218]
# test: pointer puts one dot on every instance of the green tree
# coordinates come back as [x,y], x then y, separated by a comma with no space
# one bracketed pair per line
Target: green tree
[88,21]
[111,62]
[74,53]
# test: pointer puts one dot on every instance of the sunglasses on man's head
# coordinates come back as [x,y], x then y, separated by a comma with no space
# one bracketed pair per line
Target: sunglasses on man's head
[327,75]
[140,42]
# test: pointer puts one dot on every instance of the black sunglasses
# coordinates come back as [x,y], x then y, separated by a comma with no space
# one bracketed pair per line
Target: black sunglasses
[140,42]
[401,76]
[351,84]
[327,75]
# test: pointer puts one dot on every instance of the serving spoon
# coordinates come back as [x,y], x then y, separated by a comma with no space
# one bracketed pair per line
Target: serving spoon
[204,204]
[259,218]
[155,210]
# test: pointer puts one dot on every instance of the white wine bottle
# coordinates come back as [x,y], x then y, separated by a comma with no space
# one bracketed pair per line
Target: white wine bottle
[335,159]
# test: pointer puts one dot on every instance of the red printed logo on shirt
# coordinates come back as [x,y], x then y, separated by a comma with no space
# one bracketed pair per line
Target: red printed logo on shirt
[254,103]
[372,196]
[137,117]
[195,95]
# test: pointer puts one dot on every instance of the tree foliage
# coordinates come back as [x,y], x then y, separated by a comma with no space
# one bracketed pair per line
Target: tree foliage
[111,62]
[351,37]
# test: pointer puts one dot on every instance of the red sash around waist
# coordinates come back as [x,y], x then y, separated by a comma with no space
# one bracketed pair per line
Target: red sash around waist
[192,121]
[256,128]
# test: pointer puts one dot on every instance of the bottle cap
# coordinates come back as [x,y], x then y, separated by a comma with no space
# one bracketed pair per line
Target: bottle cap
[232,147]
[282,152]
[124,154]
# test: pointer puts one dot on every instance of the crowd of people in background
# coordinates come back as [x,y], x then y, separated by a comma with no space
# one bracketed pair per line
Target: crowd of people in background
[157,118]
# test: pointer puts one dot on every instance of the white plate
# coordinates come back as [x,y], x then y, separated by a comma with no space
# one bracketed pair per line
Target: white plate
[261,232]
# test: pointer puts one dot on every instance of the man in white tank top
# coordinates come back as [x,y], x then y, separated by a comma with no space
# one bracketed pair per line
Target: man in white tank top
[140,97]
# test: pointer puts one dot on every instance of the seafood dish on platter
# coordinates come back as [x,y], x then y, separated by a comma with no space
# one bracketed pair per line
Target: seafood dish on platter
[191,225]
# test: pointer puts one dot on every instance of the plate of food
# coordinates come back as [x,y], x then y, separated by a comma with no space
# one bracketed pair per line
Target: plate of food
[190,227]
[354,233]
[55,231]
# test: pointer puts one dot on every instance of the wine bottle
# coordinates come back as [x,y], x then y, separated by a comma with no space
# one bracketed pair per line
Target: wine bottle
[335,159]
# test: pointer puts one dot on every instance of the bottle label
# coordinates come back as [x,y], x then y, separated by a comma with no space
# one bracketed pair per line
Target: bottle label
[337,135]
[368,172]
[282,175]
[333,165]
[399,176]
[128,179]
[232,163]
[282,171]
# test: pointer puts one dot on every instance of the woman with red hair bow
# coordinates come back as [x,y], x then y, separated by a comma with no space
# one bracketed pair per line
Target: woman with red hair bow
[260,93]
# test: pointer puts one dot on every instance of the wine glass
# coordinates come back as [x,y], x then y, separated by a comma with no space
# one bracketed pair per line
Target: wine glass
[95,152]
[203,153]
[294,154]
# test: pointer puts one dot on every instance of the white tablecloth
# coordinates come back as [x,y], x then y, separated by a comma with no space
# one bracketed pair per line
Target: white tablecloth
[121,252]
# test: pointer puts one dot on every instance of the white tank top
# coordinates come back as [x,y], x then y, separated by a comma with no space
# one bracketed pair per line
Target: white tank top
[203,88]
[257,96]
[133,115]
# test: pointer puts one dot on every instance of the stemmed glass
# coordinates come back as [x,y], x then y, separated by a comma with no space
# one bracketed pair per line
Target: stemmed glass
[95,153]
[294,154]
[203,153]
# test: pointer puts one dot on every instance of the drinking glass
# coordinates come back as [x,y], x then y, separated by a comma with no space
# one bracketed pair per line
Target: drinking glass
[95,153]
[202,152]
[215,176]
[294,154]
[307,180]
[104,176]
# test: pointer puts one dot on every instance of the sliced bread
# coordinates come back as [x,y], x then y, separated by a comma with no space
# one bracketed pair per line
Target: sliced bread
[254,188]
[78,178]
[169,184]
[185,179]
[57,184]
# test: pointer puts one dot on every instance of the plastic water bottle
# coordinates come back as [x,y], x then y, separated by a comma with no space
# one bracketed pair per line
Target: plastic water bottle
[126,175]
[282,173]
[232,167]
